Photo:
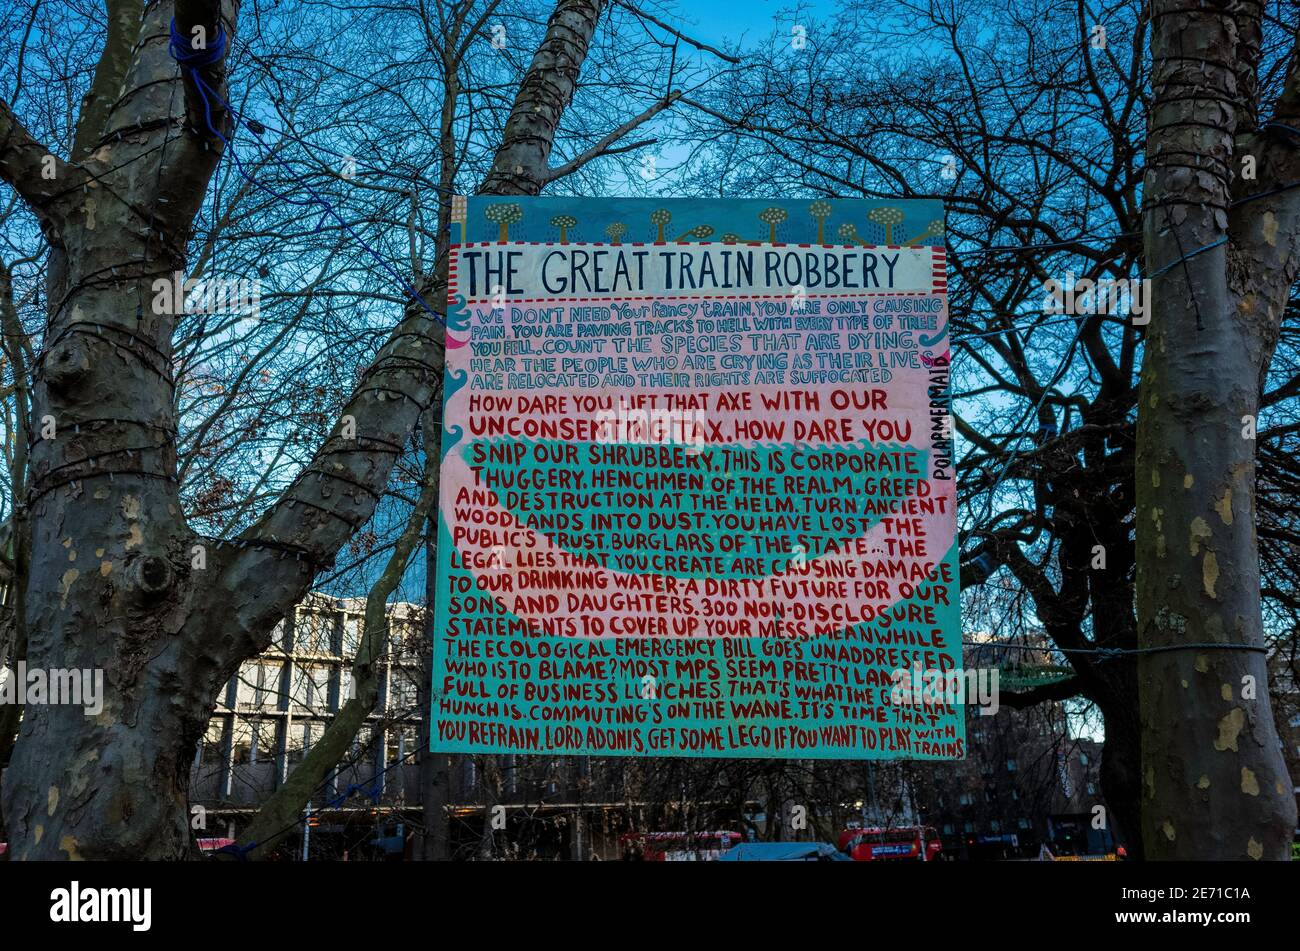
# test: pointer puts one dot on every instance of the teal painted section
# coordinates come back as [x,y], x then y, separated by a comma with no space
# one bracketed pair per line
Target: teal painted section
[749,730]
[647,220]
[846,504]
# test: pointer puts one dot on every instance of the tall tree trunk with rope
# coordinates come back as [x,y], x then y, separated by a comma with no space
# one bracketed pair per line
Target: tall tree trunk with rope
[1223,261]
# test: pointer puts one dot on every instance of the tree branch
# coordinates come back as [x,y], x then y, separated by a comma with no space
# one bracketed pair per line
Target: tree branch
[638,12]
[37,175]
[603,147]
[340,488]
[275,818]
[521,163]
[124,18]
[1055,691]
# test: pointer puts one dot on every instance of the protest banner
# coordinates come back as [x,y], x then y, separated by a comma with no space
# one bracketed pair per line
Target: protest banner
[697,489]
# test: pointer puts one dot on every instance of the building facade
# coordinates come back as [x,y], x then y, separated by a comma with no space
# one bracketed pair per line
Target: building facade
[279,704]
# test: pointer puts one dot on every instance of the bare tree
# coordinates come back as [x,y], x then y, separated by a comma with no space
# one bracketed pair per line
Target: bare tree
[139,604]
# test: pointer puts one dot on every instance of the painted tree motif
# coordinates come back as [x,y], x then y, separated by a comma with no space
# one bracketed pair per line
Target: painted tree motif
[660,218]
[460,214]
[503,216]
[564,223]
[932,229]
[731,237]
[616,230]
[849,233]
[772,217]
[699,233]
[887,218]
[820,210]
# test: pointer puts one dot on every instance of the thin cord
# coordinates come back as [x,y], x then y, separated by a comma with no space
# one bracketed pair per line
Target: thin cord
[1108,653]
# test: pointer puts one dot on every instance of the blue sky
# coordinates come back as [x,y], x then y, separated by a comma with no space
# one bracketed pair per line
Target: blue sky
[719,21]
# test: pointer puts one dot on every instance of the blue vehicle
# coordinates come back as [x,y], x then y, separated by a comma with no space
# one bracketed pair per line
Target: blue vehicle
[783,852]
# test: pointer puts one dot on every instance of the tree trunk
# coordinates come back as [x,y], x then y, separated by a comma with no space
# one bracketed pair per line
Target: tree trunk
[1121,784]
[109,555]
[435,772]
[119,583]
[1215,783]
[14,540]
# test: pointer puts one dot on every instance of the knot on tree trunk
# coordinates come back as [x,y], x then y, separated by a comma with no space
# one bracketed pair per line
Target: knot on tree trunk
[152,577]
[67,363]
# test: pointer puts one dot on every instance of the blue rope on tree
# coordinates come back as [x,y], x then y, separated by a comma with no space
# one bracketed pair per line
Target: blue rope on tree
[183,50]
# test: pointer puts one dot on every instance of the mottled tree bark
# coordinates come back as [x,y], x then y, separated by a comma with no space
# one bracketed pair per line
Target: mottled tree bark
[521,164]
[110,584]
[118,581]
[15,533]
[1214,782]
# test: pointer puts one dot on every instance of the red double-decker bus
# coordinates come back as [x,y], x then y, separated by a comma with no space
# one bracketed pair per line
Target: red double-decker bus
[918,843]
